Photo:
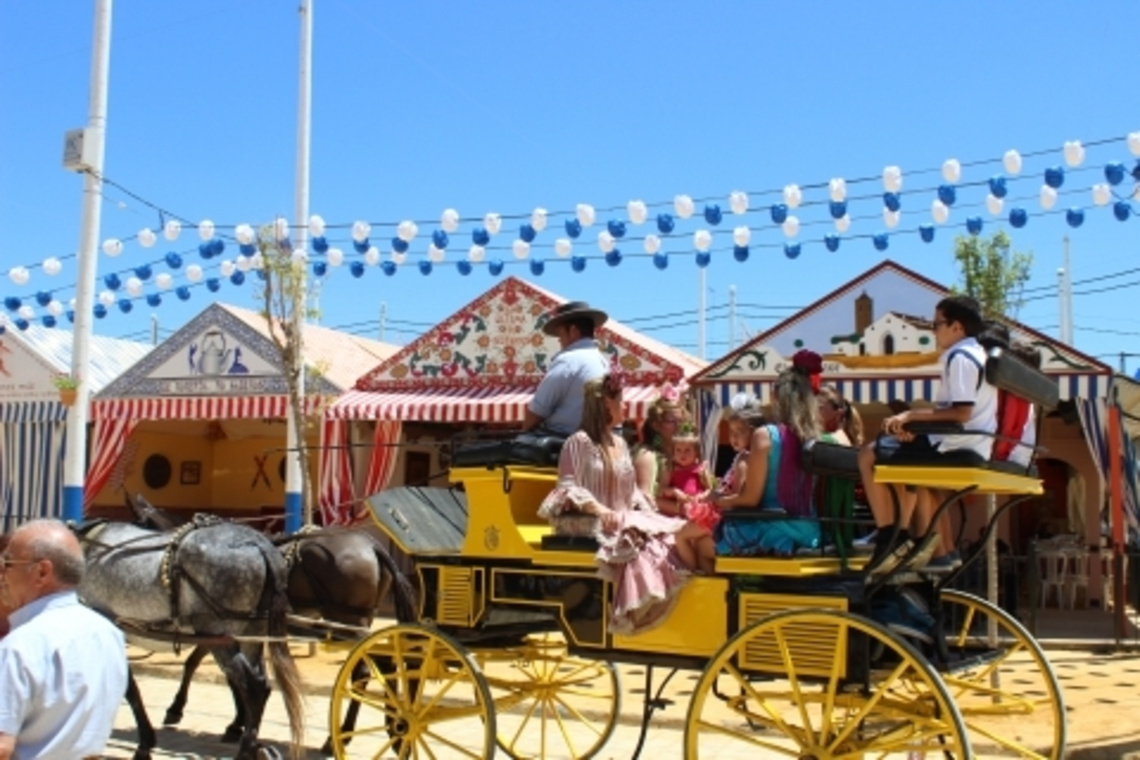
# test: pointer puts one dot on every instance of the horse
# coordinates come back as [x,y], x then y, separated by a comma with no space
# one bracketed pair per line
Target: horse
[338,575]
[222,582]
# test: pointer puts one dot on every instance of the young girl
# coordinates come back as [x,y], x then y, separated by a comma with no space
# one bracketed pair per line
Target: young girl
[690,482]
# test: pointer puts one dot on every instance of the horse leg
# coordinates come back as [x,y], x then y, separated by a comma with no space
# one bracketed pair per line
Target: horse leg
[147,738]
[174,712]
[243,666]
[235,730]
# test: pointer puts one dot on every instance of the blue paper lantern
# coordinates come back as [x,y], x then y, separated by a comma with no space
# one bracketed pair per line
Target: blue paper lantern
[11,303]
[1055,177]
[217,246]
[100,310]
[616,228]
[578,263]
[926,232]
[1121,211]
[1075,217]
[712,214]
[247,249]
[1136,171]
[479,236]
[573,229]
[43,298]
[361,246]
[948,194]
[153,299]
[143,272]
[527,233]
[495,268]
[779,213]
[261,274]
[974,225]
[399,245]
[703,259]
[439,239]
[320,244]
[537,267]
[356,268]
[48,320]
[182,292]
[792,250]
[740,253]
[388,268]
[832,242]
[238,277]
[320,268]
[613,258]
[425,267]
[838,209]
[997,186]
[1018,218]
[882,242]
[665,223]
[70,316]
[892,201]
[205,251]
[173,260]
[464,267]
[125,305]
[112,281]
[661,260]
[213,284]
[1114,172]
[21,324]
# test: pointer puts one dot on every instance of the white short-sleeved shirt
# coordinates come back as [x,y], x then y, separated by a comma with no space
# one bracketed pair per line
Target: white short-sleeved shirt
[964,382]
[559,398]
[63,674]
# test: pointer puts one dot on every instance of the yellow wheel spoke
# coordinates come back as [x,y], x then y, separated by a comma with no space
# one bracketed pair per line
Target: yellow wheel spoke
[754,741]
[447,742]
[577,715]
[523,723]
[868,705]
[365,732]
[748,688]
[443,689]
[383,706]
[794,680]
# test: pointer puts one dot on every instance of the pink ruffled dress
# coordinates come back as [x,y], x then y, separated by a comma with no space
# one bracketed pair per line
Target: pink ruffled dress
[692,481]
[639,558]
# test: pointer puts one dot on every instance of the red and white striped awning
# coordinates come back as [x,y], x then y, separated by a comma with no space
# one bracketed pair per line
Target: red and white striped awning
[487,404]
[196,408]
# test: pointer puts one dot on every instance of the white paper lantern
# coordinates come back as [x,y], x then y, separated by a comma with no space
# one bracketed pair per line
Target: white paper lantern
[994,204]
[605,241]
[1048,197]
[19,275]
[1074,153]
[361,231]
[436,255]
[492,222]
[702,240]
[892,179]
[1134,143]
[206,229]
[244,263]
[1012,162]
[72,303]
[112,247]
[26,312]
[227,267]
[652,244]
[563,247]
[843,223]
[134,288]
[791,226]
[939,211]
[316,226]
[520,248]
[244,234]
[793,196]
[194,272]
[449,220]
[52,266]
[538,219]
[738,202]
[172,229]
[372,256]
[585,213]
[407,230]
[399,258]
[163,281]
[952,171]
[476,253]
[55,308]
[147,238]
[299,256]
[683,205]
[741,236]
[334,256]
[106,297]
[837,189]
[638,212]
[891,218]
[1102,194]
[281,228]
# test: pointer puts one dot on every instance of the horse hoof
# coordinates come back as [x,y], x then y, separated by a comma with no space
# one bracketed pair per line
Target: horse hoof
[172,718]
[232,735]
[141,754]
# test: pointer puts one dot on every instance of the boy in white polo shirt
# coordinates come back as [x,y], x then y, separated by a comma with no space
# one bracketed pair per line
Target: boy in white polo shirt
[963,397]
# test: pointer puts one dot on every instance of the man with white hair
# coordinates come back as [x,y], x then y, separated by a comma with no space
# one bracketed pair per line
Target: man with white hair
[63,667]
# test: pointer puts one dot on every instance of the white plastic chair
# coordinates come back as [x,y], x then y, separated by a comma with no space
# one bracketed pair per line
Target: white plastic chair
[1055,564]
[1076,576]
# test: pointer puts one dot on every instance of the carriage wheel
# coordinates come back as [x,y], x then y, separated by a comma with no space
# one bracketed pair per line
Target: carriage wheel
[821,685]
[1008,696]
[424,697]
[548,703]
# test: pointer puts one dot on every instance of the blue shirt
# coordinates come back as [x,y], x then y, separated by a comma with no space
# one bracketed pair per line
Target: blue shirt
[560,397]
[63,674]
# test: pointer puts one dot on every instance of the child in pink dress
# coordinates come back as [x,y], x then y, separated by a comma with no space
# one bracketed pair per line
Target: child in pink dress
[690,482]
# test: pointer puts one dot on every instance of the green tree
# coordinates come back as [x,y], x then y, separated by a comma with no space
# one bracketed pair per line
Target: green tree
[992,272]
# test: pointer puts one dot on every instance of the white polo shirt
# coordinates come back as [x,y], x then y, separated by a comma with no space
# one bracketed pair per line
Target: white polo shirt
[964,382]
[559,398]
[63,674]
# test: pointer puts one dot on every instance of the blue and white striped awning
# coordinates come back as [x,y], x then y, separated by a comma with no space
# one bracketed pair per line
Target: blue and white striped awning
[31,471]
[33,411]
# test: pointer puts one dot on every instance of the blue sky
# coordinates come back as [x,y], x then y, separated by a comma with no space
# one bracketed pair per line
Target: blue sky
[502,107]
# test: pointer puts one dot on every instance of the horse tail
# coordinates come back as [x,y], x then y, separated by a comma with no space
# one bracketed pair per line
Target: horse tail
[284,667]
[407,602]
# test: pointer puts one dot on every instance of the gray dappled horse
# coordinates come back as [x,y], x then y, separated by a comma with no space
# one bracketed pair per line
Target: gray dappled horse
[212,579]
[340,575]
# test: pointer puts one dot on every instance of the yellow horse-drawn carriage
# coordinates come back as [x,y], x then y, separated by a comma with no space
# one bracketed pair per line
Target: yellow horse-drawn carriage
[789,657]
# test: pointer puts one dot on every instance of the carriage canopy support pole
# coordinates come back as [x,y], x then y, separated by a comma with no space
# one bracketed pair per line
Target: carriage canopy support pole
[94,139]
[1116,478]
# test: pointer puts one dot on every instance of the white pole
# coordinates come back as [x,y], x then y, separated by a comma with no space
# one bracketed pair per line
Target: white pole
[1062,322]
[731,317]
[383,319]
[75,455]
[295,511]
[702,283]
[1067,296]
[154,329]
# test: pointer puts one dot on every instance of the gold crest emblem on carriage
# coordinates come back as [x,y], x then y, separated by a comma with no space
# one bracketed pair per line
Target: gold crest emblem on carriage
[491,537]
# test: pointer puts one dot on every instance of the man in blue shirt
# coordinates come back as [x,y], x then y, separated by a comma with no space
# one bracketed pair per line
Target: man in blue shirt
[557,404]
[63,667]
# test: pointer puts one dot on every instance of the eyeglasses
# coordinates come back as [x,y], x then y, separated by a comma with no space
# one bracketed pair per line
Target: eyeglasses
[7,562]
[940,323]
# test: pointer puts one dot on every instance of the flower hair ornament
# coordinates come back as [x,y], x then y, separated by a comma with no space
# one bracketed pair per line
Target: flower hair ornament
[669,394]
[741,401]
[614,380]
[810,365]
[686,433]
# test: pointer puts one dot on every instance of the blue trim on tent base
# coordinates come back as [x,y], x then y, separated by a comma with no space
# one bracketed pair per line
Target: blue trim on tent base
[293,513]
[73,503]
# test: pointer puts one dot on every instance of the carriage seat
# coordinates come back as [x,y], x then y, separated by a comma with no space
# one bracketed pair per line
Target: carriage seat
[554,542]
[536,450]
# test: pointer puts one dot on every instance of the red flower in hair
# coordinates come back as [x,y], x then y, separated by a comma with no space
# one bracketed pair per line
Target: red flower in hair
[614,380]
[809,363]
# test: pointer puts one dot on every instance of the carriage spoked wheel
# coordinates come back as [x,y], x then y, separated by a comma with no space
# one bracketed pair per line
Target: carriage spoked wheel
[423,697]
[1008,693]
[821,685]
[549,703]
